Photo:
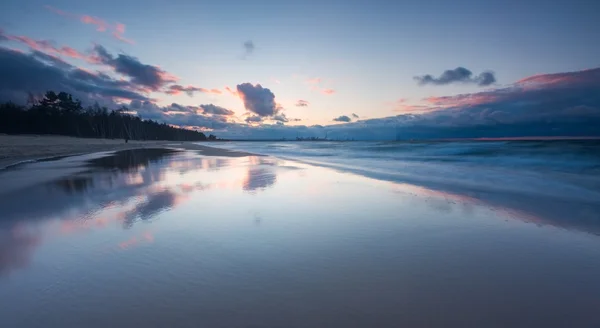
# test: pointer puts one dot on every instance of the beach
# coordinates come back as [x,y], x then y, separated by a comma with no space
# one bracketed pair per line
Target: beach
[189,235]
[16,149]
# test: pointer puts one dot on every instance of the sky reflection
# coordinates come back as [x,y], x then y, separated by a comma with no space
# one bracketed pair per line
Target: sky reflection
[183,234]
[137,187]
[117,191]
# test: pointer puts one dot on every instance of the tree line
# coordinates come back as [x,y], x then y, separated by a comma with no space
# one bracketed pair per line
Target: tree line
[62,115]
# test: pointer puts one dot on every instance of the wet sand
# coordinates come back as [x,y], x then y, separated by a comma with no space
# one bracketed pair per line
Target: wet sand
[172,237]
[16,149]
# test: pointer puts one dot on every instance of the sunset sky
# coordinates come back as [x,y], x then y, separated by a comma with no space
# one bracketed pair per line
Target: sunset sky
[354,69]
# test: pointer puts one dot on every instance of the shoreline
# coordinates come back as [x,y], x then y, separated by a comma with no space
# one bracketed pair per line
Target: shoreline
[501,197]
[22,149]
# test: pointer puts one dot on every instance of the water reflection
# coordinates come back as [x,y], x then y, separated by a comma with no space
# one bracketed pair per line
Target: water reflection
[536,210]
[259,179]
[16,248]
[131,187]
[131,160]
[153,205]
[187,240]
[118,190]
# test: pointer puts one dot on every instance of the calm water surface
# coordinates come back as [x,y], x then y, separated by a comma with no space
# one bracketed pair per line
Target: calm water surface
[157,238]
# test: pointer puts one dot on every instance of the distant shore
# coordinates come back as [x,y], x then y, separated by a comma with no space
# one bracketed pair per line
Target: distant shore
[16,149]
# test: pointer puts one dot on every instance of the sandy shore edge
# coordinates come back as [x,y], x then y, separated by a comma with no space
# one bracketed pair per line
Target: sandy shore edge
[16,149]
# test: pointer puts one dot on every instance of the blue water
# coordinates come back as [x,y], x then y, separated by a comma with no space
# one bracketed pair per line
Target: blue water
[564,169]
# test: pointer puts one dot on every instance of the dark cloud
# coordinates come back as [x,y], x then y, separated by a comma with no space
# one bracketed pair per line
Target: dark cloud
[248,48]
[181,108]
[486,78]
[253,119]
[457,75]
[37,72]
[354,115]
[215,110]
[51,60]
[178,114]
[563,104]
[302,103]
[145,75]
[342,118]
[258,100]
[280,118]
[189,90]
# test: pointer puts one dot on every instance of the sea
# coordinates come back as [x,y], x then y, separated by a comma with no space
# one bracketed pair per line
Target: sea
[562,169]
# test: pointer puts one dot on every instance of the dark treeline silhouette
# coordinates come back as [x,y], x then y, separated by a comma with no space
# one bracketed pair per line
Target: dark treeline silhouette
[61,114]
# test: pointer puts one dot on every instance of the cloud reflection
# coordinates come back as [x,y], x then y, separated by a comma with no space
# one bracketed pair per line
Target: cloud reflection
[155,204]
[119,191]
[259,178]
[16,248]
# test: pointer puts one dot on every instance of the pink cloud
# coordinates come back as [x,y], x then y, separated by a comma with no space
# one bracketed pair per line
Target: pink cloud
[544,92]
[117,29]
[118,33]
[557,79]
[101,26]
[462,100]
[232,92]
[47,47]
[315,86]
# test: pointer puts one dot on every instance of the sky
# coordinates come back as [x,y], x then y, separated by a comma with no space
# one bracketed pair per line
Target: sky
[345,69]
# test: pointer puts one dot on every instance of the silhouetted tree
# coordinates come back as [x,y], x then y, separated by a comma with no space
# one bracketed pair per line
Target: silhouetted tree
[61,114]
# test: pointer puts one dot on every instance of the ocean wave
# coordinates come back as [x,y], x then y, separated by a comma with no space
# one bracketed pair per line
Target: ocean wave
[567,170]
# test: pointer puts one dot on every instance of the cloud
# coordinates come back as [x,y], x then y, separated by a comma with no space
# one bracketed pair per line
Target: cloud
[180,115]
[117,29]
[216,110]
[342,118]
[146,75]
[37,72]
[486,78]
[315,85]
[354,115]
[302,103]
[248,48]
[101,25]
[45,46]
[562,104]
[458,75]
[280,118]
[231,91]
[254,119]
[258,100]
[190,90]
